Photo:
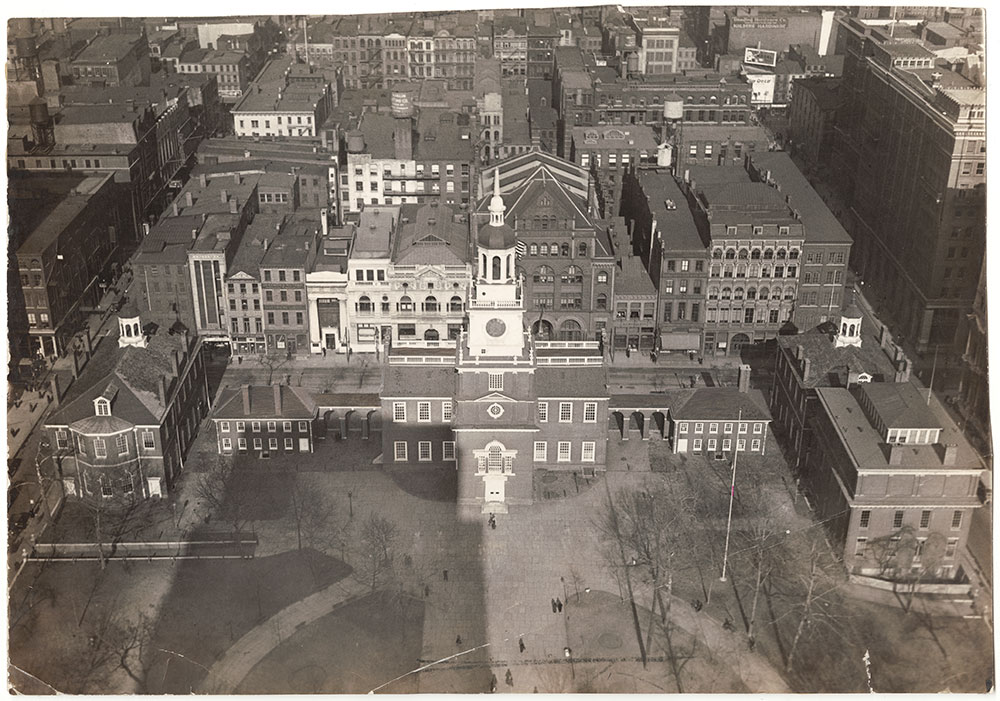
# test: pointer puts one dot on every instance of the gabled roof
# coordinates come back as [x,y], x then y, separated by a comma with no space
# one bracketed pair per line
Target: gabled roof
[296,404]
[899,405]
[428,234]
[723,404]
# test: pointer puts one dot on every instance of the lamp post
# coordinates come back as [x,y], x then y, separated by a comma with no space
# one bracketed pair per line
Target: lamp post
[732,494]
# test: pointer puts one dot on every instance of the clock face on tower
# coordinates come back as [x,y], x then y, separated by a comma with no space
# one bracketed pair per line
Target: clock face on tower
[495,327]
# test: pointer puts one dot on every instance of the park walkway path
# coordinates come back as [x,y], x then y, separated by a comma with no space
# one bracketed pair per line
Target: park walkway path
[230,669]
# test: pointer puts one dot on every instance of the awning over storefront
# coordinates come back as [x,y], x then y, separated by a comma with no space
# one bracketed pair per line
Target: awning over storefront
[680,341]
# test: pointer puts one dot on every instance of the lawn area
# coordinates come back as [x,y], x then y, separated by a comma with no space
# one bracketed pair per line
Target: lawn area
[352,650]
[433,483]
[601,630]
[212,603]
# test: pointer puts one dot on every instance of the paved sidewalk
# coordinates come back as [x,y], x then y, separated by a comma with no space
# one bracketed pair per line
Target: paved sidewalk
[230,669]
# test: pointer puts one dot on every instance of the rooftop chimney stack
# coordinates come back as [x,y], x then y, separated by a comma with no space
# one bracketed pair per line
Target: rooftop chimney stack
[950,454]
[202,180]
[188,199]
[744,378]
[246,400]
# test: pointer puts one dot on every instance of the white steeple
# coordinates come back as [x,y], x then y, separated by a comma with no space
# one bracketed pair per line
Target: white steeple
[849,331]
[497,207]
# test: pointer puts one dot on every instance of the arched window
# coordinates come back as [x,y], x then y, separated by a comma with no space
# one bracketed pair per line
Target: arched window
[431,304]
[782,254]
[744,254]
[564,250]
[510,260]
[494,457]
[717,253]
[753,270]
[765,271]
[751,293]
[768,253]
[496,268]
[582,250]
[789,293]
[554,249]
[741,270]
[533,249]
[793,254]
[545,249]
[365,305]
[730,254]
[713,292]
[455,305]
[570,330]
[572,274]
[715,271]
[738,293]
[544,274]
[755,254]
[405,304]
[727,292]
[763,293]
[602,277]
[602,301]
[727,271]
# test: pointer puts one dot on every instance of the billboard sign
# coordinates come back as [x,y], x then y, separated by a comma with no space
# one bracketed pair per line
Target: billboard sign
[760,57]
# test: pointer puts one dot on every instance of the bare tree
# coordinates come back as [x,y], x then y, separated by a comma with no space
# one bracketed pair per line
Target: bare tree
[272,363]
[113,642]
[114,521]
[917,560]
[378,548]
[228,493]
[818,604]
[761,540]
[310,511]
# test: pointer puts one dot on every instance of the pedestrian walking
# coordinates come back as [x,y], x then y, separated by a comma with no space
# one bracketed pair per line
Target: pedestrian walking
[520,644]
[510,678]
[427,590]
[493,683]
[559,604]
[324,352]
[446,575]
[554,607]
[239,360]
[458,640]
[493,524]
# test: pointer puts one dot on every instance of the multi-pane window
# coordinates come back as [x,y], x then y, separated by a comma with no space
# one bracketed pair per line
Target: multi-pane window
[699,427]
[258,444]
[241,426]
[448,450]
[564,451]
[565,412]
[424,451]
[589,412]
[227,443]
[696,444]
[897,519]
[255,425]
[62,439]
[713,428]
[423,411]
[289,444]
[727,443]
[859,547]
[711,444]
[303,427]
[741,444]
[727,428]
[399,450]
[541,451]
[864,519]
[755,444]
[758,427]
[224,426]
[956,520]
[496,381]
[588,451]
[744,427]
[100,449]
[399,411]
[241,443]
[543,411]
[121,442]
[682,427]
[446,410]
[925,519]
[272,426]
[951,547]
[286,426]
[272,443]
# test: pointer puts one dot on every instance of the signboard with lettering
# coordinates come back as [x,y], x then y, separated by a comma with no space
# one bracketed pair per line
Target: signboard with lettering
[758,23]
[760,57]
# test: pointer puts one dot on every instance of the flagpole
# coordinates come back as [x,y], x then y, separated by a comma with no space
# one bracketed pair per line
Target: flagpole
[732,494]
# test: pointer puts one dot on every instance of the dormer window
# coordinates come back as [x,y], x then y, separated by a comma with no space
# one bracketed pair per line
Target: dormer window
[103,407]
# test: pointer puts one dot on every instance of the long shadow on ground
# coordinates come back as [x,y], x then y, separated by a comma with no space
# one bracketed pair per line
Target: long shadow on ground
[212,603]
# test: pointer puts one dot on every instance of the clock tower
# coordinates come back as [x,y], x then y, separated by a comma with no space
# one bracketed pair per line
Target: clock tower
[496,327]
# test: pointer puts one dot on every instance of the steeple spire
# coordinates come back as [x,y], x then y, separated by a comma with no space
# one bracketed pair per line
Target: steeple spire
[497,207]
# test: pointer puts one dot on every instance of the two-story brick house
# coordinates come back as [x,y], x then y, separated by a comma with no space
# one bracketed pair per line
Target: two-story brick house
[265,421]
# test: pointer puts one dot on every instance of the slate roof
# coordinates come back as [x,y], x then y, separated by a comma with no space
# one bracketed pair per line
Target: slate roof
[723,404]
[633,279]
[296,403]
[134,371]
[430,237]
[828,366]
[899,404]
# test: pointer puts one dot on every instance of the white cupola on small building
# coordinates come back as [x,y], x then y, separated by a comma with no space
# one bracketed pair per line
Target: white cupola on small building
[849,329]
[130,327]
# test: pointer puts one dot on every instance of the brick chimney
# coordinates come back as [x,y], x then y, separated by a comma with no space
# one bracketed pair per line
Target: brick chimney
[744,378]
[246,400]
[277,400]
[806,366]
[188,198]
[223,195]
[233,208]
[202,180]
[237,179]
[950,454]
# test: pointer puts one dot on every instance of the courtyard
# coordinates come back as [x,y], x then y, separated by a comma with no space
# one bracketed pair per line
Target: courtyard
[437,601]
